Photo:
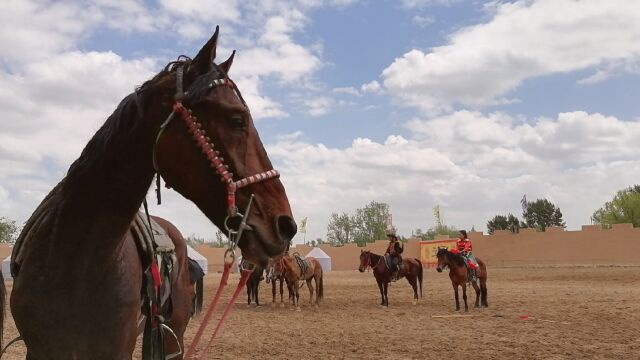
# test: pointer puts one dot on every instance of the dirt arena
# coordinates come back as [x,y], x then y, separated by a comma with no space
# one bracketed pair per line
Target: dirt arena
[534,313]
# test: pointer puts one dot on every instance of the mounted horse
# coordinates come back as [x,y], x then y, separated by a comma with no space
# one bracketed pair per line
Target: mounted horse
[276,273]
[297,269]
[411,269]
[459,275]
[78,274]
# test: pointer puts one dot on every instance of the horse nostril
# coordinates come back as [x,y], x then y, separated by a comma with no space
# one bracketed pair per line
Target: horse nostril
[286,228]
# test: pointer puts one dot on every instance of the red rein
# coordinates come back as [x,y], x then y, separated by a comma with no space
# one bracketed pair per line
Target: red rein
[212,307]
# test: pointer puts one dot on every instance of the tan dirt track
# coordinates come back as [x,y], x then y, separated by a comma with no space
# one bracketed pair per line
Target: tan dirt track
[574,313]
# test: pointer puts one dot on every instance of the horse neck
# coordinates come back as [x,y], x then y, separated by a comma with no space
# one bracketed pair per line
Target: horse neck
[375,260]
[107,183]
[291,267]
[451,261]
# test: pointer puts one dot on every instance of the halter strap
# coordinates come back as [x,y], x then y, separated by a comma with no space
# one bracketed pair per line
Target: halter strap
[194,127]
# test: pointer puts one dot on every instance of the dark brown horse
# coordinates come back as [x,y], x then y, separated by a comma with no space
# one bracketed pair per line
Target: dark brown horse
[196,278]
[253,283]
[275,274]
[310,270]
[78,277]
[459,275]
[411,269]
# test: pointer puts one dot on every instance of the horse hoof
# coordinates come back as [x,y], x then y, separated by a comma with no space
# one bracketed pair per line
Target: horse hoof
[298,309]
[415,302]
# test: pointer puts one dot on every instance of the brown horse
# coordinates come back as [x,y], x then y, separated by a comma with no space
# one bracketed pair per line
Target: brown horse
[459,275]
[411,269]
[296,269]
[78,277]
[275,273]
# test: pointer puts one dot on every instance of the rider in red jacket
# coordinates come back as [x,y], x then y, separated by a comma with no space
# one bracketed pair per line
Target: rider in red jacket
[464,248]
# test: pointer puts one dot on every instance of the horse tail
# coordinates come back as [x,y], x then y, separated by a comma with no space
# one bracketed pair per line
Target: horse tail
[199,295]
[420,275]
[320,286]
[483,283]
[3,294]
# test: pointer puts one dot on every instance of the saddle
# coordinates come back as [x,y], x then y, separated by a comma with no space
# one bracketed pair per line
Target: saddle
[157,253]
[302,263]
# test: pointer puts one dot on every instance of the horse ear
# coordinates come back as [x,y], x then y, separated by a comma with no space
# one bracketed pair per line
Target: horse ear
[203,62]
[226,65]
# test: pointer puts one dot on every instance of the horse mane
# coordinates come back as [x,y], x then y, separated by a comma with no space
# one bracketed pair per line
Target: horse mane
[122,126]
[456,258]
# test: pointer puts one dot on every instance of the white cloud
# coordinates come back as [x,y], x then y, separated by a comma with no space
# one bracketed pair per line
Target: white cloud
[371,87]
[319,106]
[473,165]
[411,4]
[422,20]
[524,39]
[349,90]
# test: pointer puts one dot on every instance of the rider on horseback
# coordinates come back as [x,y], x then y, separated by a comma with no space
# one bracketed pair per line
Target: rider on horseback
[464,249]
[394,250]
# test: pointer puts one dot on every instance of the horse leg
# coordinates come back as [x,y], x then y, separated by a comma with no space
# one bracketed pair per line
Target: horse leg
[249,294]
[297,295]
[273,293]
[477,289]
[381,293]
[255,292]
[464,297]
[310,292]
[414,286]
[455,290]
[386,294]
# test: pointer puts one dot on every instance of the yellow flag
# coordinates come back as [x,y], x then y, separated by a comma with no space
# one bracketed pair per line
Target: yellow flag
[303,226]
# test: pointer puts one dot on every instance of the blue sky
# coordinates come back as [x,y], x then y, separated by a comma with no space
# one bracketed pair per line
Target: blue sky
[417,103]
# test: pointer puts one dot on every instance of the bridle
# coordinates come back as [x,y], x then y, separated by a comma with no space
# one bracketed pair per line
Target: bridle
[204,144]
[194,127]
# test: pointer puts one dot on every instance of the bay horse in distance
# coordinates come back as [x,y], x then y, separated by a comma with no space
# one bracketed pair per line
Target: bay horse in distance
[297,269]
[276,273]
[459,275]
[411,269]
[78,276]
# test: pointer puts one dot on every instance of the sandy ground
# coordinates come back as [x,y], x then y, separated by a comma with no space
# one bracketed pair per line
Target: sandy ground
[534,313]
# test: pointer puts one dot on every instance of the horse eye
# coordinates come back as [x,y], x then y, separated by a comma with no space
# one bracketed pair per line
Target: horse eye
[237,122]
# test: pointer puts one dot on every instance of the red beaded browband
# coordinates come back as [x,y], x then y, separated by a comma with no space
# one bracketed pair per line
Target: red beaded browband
[207,147]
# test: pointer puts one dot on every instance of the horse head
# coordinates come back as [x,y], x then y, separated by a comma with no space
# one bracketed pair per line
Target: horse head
[442,256]
[209,151]
[365,260]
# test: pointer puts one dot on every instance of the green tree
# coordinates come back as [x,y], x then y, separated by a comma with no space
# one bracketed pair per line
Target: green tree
[623,208]
[340,229]
[436,230]
[369,222]
[8,231]
[541,214]
[501,222]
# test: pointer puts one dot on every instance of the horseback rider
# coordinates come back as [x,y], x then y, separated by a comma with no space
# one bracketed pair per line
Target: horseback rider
[394,250]
[465,249]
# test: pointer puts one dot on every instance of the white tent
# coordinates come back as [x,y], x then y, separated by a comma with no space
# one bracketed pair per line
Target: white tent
[6,268]
[323,258]
[199,258]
